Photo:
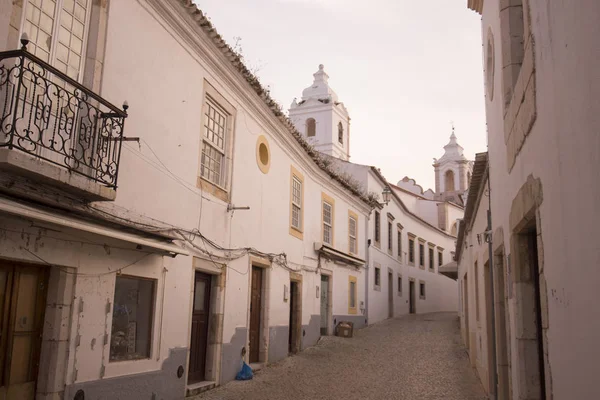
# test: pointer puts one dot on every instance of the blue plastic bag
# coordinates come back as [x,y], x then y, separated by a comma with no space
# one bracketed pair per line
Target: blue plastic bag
[245,373]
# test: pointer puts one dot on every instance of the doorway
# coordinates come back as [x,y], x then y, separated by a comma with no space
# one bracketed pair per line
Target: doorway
[200,318]
[294,323]
[488,324]
[324,304]
[23,290]
[501,335]
[390,295]
[466,310]
[534,270]
[411,297]
[256,293]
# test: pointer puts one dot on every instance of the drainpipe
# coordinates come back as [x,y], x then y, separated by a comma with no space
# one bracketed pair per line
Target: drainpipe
[367,253]
[494,391]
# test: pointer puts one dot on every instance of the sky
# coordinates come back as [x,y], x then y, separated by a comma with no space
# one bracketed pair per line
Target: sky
[405,70]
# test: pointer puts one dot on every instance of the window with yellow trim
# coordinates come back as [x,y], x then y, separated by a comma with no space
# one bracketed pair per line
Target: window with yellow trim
[327,219]
[352,232]
[296,203]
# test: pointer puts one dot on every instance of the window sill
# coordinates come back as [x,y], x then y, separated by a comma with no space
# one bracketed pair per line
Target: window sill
[399,294]
[352,311]
[212,189]
[296,233]
[377,288]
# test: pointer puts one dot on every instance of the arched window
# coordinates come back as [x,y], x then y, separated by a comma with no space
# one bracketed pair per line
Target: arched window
[449,181]
[311,127]
[340,133]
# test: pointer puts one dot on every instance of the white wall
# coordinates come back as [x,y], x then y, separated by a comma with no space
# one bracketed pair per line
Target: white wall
[562,151]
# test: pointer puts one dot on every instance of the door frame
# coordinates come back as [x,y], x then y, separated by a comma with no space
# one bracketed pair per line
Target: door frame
[265,265]
[412,296]
[217,306]
[207,301]
[329,276]
[391,296]
[296,345]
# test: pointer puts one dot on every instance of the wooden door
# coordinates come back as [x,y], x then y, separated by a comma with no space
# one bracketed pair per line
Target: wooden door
[200,317]
[411,297]
[255,314]
[390,295]
[23,291]
[324,304]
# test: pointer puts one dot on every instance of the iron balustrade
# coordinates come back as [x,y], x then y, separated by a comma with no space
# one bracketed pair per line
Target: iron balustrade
[45,113]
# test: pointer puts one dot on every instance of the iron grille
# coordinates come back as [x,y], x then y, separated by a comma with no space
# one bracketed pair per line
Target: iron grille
[45,113]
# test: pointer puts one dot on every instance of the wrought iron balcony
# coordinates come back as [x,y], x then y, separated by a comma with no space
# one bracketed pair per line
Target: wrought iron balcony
[45,113]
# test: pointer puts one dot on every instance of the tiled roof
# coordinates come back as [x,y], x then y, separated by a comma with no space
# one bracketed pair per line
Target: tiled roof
[477,179]
[275,108]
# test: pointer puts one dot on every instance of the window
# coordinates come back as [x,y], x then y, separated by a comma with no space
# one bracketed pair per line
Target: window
[421,254]
[327,218]
[399,286]
[440,258]
[311,127]
[57,32]
[422,290]
[352,232]
[327,221]
[390,237]
[411,250]
[296,203]
[213,143]
[377,277]
[431,260]
[400,244]
[377,227]
[352,294]
[133,309]
[449,181]
[489,72]
[340,133]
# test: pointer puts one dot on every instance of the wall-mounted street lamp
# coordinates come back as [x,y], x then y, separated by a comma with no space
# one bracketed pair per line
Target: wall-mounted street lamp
[387,195]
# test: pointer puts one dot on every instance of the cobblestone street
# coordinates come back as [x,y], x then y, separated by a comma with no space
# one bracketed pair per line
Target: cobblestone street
[413,357]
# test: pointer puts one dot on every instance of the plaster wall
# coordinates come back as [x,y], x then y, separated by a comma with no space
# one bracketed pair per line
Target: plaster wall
[478,336]
[561,150]
[159,179]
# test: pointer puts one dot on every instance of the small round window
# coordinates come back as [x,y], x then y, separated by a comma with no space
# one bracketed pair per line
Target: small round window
[263,154]
[489,65]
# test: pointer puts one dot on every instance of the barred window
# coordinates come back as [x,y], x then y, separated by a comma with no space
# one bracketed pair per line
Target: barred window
[390,236]
[213,147]
[327,223]
[411,250]
[400,244]
[431,255]
[421,254]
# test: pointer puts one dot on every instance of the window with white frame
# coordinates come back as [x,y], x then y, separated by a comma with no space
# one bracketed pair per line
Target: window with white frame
[390,237]
[213,143]
[327,223]
[57,32]
[296,203]
[352,234]
[400,244]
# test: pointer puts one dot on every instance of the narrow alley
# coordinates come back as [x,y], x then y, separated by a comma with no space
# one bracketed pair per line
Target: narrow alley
[413,357]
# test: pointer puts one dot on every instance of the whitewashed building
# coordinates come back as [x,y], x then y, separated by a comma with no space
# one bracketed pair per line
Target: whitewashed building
[225,238]
[408,234]
[541,95]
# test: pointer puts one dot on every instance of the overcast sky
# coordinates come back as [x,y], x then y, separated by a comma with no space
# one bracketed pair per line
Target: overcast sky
[405,69]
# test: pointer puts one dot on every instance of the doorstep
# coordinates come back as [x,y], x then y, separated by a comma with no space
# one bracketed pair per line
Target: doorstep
[199,387]
[257,366]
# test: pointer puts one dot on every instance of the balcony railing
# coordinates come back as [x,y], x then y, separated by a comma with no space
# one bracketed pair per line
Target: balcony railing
[45,113]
